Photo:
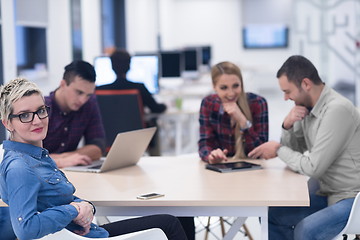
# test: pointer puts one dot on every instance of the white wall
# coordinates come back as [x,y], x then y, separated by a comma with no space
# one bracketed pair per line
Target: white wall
[316,31]
[59,48]
[326,32]
[211,22]
[91,29]
[8,39]
[141,25]
[201,22]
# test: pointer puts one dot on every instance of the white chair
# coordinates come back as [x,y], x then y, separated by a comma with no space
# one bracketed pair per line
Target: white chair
[1,153]
[352,225]
[150,234]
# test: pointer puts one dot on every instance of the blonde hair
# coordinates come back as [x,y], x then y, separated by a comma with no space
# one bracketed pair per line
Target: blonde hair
[13,91]
[231,69]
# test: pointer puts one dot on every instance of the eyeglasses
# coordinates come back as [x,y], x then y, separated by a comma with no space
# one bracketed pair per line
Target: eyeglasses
[27,117]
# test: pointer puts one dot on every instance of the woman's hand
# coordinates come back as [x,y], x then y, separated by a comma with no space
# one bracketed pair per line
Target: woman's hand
[217,156]
[235,113]
[84,217]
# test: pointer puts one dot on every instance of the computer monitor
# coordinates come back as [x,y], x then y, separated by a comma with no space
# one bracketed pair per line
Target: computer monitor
[206,55]
[192,63]
[104,72]
[144,68]
[171,63]
[192,59]
[265,36]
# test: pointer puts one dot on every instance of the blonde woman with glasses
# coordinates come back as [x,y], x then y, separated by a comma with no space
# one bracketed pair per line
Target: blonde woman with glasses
[39,196]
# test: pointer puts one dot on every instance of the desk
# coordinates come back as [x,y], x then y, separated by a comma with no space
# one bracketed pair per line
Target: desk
[191,190]
[179,130]
[178,127]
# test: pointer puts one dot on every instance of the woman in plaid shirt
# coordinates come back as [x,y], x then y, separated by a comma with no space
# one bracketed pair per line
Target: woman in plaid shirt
[232,122]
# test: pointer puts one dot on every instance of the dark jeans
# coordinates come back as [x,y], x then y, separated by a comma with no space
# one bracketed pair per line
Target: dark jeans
[188,226]
[170,225]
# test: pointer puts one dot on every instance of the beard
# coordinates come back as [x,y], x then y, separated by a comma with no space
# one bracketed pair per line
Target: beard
[304,99]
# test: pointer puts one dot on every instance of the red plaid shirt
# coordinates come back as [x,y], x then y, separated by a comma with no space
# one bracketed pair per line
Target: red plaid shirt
[216,131]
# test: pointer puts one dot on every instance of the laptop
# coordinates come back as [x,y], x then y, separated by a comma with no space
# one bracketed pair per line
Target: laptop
[232,166]
[126,150]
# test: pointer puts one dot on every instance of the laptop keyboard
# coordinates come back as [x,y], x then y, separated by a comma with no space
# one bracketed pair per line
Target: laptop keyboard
[96,167]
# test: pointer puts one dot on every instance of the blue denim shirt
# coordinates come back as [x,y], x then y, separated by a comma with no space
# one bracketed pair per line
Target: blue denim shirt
[6,230]
[38,193]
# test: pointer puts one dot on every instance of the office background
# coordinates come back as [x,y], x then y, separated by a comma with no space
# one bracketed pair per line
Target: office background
[39,37]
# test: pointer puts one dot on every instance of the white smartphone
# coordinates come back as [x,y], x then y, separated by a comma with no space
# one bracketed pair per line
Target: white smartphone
[149,196]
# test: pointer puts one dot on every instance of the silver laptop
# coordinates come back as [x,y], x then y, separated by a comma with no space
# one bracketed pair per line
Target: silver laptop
[126,150]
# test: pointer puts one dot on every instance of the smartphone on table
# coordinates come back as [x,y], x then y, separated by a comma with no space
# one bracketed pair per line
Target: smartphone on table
[149,196]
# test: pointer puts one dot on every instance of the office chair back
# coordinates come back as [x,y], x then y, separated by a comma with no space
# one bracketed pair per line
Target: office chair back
[352,225]
[121,111]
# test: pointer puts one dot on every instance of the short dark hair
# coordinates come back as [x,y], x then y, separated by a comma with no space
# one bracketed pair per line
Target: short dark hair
[120,61]
[79,68]
[296,68]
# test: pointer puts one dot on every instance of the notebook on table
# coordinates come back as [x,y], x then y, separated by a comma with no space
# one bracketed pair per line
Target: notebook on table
[126,150]
[233,166]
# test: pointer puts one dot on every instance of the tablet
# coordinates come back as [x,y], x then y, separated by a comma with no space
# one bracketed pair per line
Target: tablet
[233,166]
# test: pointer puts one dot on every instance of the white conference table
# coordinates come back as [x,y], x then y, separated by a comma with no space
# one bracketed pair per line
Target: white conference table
[191,190]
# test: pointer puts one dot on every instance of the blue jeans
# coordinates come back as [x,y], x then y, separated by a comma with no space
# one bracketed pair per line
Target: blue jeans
[319,221]
[6,230]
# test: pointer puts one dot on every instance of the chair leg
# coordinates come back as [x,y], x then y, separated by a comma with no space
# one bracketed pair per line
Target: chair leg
[247,232]
[222,226]
[207,229]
